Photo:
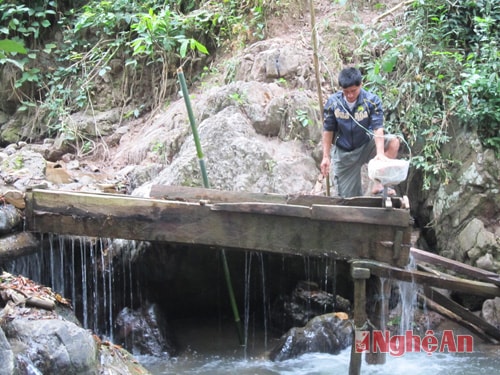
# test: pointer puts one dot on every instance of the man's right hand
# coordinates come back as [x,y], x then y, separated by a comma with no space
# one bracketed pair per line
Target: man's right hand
[325,166]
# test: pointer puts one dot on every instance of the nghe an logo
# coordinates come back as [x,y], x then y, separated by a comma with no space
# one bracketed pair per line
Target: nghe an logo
[398,345]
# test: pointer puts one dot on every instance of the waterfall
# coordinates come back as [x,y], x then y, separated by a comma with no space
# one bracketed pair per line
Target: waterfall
[265,302]
[248,272]
[83,257]
[408,300]
[83,269]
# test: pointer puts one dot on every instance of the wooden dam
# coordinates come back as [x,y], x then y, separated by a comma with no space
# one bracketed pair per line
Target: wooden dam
[372,234]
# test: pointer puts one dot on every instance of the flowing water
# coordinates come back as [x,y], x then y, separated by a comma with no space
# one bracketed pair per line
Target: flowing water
[213,351]
[325,364]
[83,269]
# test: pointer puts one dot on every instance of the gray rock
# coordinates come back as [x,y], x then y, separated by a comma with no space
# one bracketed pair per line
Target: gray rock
[9,218]
[143,331]
[53,346]
[491,311]
[323,334]
[6,356]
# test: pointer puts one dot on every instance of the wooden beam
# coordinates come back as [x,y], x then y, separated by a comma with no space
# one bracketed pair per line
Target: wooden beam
[462,312]
[195,195]
[419,277]
[359,275]
[370,215]
[461,268]
[430,304]
[265,209]
[273,227]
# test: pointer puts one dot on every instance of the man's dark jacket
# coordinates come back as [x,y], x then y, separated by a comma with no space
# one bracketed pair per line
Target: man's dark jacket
[353,129]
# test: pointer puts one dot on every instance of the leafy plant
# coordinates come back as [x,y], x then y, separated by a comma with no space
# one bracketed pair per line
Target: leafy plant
[150,38]
[441,66]
[238,98]
[302,116]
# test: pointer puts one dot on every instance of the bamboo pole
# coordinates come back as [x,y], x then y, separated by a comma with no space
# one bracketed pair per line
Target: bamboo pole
[192,121]
[199,153]
[316,71]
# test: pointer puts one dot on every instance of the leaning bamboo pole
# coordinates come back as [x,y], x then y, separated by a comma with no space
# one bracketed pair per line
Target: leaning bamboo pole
[199,152]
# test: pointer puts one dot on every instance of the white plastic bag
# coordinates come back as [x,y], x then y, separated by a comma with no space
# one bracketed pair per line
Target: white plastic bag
[388,172]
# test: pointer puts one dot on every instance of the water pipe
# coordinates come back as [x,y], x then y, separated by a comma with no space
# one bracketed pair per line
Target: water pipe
[185,94]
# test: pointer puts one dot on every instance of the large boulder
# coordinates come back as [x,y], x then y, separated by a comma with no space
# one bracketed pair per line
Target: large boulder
[144,331]
[491,312]
[327,333]
[305,302]
[465,210]
[39,334]
[52,346]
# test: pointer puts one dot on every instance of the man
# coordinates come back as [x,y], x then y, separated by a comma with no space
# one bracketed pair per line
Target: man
[354,122]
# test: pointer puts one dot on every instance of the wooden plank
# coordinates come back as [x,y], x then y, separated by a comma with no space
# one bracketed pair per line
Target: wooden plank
[309,200]
[284,229]
[461,268]
[194,194]
[265,209]
[461,311]
[419,277]
[430,304]
[360,275]
[369,215]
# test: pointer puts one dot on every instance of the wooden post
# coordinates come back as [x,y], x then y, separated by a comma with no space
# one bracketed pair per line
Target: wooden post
[359,275]
[378,302]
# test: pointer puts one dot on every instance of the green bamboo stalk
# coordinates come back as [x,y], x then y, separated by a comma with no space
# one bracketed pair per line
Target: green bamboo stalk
[199,152]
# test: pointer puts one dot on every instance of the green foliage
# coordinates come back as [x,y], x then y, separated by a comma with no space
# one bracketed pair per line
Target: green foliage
[21,27]
[161,34]
[26,21]
[238,98]
[302,117]
[441,65]
[10,46]
[158,34]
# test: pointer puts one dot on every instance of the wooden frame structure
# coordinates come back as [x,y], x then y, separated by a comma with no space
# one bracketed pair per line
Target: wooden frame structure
[374,235]
[298,225]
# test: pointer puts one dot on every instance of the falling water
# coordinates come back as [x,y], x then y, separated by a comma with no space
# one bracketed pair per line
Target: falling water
[248,272]
[408,300]
[110,291]
[78,278]
[73,273]
[52,262]
[83,257]
[86,275]
[107,328]
[265,302]
[94,291]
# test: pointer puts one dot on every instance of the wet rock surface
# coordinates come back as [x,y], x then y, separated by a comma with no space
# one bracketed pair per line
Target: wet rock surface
[39,334]
[491,311]
[305,302]
[327,333]
[144,331]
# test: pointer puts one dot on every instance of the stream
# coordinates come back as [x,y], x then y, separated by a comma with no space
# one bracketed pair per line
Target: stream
[211,346]
[210,350]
